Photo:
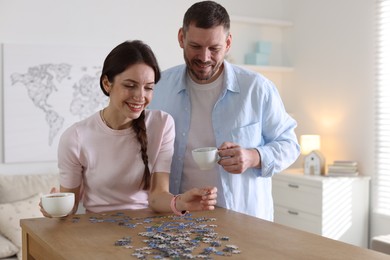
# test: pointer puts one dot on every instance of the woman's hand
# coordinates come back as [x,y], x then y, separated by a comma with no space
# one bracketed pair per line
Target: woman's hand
[197,199]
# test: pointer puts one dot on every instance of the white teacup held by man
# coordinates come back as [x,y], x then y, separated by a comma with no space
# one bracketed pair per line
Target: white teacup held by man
[206,157]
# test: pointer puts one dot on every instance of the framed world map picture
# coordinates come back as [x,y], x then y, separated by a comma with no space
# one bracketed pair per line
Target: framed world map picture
[46,89]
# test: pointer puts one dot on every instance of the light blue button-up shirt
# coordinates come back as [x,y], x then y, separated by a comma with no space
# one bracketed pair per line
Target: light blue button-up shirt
[249,112]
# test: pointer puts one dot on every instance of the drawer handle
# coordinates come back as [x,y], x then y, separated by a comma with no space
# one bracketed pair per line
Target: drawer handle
[293,186]
[292,212]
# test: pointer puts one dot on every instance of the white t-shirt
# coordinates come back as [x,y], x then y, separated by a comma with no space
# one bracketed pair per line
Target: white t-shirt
[108,164]
[203,98]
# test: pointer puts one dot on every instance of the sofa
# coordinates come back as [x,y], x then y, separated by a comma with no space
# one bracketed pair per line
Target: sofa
[19,199]
[381,243]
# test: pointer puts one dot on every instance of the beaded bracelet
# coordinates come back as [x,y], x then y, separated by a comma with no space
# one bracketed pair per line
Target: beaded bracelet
[173,206]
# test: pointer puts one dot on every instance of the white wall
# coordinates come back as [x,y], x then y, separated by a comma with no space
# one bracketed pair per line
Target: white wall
[106,23]
[330,91]
[333,81]
[333,78]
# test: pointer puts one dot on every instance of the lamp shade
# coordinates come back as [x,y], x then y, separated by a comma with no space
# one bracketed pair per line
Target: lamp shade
[310,143]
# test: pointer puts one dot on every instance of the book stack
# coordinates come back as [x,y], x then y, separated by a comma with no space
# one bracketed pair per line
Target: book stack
[343,168]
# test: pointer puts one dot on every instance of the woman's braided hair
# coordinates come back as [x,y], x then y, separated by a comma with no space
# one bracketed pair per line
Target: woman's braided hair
[140,129]
[118,60]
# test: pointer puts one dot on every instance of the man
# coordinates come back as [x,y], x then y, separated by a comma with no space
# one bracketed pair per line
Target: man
[215,103]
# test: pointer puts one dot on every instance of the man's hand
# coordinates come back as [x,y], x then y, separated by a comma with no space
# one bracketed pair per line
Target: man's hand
[235,159]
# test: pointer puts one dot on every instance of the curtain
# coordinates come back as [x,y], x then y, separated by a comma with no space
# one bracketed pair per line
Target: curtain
[381,181]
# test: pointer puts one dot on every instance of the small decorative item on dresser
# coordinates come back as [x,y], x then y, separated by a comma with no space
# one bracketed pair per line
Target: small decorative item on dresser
[343,168]
[314,161]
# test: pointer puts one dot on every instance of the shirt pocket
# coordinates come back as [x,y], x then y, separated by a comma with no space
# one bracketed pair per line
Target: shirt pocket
[249,136]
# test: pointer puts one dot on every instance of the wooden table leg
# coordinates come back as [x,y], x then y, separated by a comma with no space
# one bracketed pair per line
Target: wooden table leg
[24,245]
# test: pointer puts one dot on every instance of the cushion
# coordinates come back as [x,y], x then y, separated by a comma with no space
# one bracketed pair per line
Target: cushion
[381,244]
[11,213]
[25,185]
[7,249]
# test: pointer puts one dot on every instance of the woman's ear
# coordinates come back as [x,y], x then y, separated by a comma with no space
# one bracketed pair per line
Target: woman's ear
[106,84]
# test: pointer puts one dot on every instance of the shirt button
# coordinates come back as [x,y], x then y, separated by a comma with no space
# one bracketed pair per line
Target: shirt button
[184,134]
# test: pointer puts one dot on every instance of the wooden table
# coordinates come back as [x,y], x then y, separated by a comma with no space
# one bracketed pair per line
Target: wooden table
[92,236]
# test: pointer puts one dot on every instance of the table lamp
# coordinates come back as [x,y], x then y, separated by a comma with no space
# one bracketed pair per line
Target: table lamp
[314,161]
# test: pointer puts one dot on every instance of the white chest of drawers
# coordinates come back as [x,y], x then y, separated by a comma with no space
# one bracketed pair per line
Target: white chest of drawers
[334,207]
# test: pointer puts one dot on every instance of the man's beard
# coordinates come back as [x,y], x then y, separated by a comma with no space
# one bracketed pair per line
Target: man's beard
[196,74]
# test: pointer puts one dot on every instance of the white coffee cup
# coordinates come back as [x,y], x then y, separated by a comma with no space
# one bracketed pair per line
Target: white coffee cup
[58,204]
[205,157]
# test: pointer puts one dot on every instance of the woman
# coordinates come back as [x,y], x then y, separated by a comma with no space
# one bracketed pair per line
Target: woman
[120,157]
